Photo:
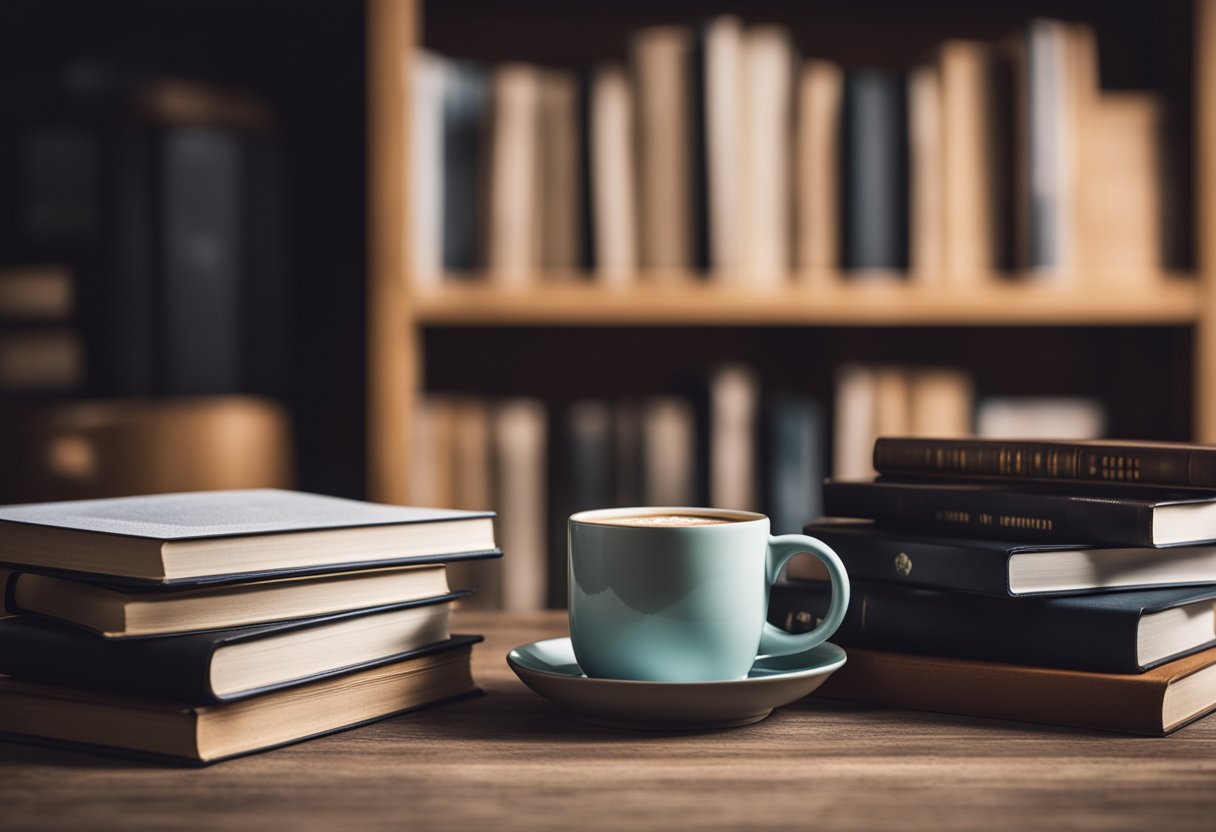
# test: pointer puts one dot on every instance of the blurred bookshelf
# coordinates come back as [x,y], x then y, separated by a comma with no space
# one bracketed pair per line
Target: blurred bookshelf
[1138,341]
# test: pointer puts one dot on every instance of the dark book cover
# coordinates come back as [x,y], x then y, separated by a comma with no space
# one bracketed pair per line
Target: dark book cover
[465,131]
[1169,464]
[987,566]
[1095,633]
[990,510]
[797,461]
[172,667]
[201,275]
[874,169]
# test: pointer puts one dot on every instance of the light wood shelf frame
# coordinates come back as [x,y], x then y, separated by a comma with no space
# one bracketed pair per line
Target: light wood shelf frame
[396,315]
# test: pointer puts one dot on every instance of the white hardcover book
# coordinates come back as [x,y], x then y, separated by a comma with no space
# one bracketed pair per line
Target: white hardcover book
[613,176]
[424,79]
[723,70]
[817,158]
[734,396]
[519,435]
[513,252]
[668,440]
[765,197]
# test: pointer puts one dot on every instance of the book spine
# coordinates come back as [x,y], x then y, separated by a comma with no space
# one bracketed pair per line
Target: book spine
[1036,518]
[177,668]
[930,562]
[1107,702]
[1015,460]
[874,169]
[1039,632]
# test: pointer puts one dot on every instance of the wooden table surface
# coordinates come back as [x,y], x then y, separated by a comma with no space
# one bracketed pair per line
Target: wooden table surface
[508,760]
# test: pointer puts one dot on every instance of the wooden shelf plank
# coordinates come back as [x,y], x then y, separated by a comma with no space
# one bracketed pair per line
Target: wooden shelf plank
[1165,301]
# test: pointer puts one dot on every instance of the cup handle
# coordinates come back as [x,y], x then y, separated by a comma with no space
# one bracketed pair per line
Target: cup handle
[777,642]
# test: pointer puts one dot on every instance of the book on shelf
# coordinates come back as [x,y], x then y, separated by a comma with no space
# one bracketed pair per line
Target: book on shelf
[222,665]
[561,204]
[816,154]
[520,446]
[668,446]
[202,734]
[41,360]
[734,402]
[1115,515]
[661,70]
[1040,417]
[37,292]
[1001,567]
[876,400]
[721,54]
[1116,632]
[972,158]
[424,78]
[1155,703]
[927,160]
[613,176]
[514,191]
[117,611]
[767,60]
[465,132]
[201,537]
[874,170]
[1167,464]
[796,462]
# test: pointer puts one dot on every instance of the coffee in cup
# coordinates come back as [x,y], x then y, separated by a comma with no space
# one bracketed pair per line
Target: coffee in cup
[681,594]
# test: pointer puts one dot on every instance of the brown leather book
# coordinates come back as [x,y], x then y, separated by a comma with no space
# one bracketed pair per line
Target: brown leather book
[1157,702]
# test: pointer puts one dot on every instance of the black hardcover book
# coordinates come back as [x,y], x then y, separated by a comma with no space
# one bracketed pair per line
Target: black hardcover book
[1131,517]
[170,732]
[1167,464]
[1119,632]
[224,665]
[874,188]
[1001,567]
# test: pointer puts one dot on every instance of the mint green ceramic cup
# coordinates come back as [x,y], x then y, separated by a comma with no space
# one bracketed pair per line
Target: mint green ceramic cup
[663,603]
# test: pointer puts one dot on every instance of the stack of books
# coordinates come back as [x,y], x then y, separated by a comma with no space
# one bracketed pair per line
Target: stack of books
[1071,583]
[202,626]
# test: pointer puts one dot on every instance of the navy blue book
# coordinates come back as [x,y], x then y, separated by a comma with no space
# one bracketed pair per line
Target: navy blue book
[1003,568]
[223,665]
[1118,632]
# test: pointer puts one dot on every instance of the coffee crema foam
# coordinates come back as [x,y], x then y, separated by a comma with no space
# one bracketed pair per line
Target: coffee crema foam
[663,521]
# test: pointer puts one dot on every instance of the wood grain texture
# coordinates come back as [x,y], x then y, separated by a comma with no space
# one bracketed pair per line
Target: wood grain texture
[509,760]
[684,302]
[392,367]
[1205,219]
